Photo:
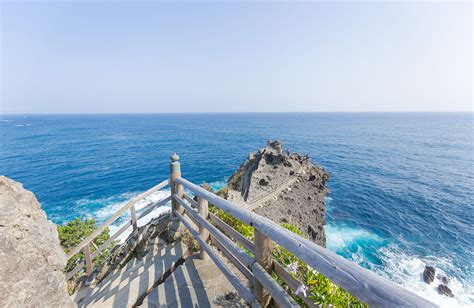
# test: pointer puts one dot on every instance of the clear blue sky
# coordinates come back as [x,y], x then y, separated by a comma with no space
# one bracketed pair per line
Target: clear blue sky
[94,57]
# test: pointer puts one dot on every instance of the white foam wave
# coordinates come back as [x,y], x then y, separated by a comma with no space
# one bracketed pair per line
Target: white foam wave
[339,238]
[407,271]
[399,266]
[112,204]
[21,125]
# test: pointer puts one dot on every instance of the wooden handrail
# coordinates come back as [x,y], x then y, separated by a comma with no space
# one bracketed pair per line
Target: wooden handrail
[358,281]
[122,229]
[236,236]
[233,279]
[277,292]
[114,217]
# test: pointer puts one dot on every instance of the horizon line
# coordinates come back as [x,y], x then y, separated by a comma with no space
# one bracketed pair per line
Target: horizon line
[229,112]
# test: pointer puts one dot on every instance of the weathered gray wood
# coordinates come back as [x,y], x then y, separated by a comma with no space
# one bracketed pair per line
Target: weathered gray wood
[78,267]
[191,217]
[231,246]
[133,218]
[96,249]
[114,217]
[245,271]
[150,208]
[175,172]
[88,258]
[203,232]
[231,232]
[292,282]
[179,193]
[278,294]
[365,285]
[193,203]
[112,238]
[233,279]
[263,256]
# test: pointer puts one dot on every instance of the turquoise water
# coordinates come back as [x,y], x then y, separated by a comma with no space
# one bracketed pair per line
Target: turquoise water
[401,183]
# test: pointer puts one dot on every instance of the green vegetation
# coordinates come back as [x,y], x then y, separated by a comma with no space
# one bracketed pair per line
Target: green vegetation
[75,231]
[235,181]
[319,289]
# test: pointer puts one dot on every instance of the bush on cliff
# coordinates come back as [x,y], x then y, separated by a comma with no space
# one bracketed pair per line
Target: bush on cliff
[74,232]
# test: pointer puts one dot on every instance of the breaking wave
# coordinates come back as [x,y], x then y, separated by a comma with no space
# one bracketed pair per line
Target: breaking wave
[103,208]
[390,261]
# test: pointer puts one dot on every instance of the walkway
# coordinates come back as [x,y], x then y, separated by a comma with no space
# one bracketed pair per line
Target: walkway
[273,193]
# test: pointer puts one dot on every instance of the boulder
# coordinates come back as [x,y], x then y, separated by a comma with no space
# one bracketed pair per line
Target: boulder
[31,258]
[445,290]
[428,274]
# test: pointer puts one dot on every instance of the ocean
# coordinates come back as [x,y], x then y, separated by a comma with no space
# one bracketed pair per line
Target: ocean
[402,184]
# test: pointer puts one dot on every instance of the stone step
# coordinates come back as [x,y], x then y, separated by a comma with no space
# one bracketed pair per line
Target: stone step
[195,283]
[125,287]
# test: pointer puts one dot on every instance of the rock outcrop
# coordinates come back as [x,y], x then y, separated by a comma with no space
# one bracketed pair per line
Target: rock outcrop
[284,187]
[445,290]
[428,274]
[31,258]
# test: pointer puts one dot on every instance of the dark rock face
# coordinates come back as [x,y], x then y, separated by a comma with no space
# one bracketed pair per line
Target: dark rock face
[296,188]
[445,290]
[429,274]
[31,258]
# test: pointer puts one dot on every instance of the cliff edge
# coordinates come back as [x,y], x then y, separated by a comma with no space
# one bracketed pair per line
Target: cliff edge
[284,187]
[31,258]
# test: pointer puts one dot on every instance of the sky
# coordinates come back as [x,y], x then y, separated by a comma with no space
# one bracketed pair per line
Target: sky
[230,56]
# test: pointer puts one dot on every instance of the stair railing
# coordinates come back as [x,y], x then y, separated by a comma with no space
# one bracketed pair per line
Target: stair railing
[258,265]
[129,206]
[358,281]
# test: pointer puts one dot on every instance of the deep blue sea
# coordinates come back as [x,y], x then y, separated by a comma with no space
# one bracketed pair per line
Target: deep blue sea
[402,184]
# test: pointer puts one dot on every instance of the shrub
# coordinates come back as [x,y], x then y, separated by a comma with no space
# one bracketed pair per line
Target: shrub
[74,232]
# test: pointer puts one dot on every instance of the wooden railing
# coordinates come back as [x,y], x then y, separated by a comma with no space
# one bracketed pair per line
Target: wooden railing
[129,206]
[258,265]
[358,281]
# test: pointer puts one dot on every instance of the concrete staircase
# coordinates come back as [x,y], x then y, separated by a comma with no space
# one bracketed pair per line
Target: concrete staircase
[129,285]
[166,277]
[196,283]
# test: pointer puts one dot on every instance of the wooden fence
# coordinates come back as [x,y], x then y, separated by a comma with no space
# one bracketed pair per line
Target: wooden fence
[129,206]
[257,266]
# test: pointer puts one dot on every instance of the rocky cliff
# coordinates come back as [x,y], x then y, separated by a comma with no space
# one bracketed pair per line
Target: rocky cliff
[31,259]
[284,187]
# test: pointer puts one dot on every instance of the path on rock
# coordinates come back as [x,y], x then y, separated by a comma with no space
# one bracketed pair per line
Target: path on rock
[273,193]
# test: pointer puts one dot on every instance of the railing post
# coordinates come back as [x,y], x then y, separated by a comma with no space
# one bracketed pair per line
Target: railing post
[87,255]
[175,172]
[203,232]
[133,215]
[263,255]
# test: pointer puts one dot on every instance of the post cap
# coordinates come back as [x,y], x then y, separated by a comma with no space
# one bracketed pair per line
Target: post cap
[174,157]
